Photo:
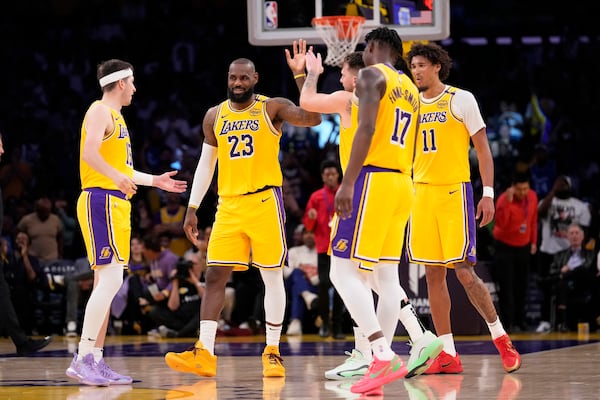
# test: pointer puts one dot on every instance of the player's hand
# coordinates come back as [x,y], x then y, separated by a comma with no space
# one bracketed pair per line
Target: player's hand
[190,226]
[165,182]
[312,214]
[297,62]
[125,184]
[485,211]
[314,62]
[343,201]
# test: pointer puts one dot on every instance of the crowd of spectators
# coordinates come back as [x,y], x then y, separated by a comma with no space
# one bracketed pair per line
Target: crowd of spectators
[537,99]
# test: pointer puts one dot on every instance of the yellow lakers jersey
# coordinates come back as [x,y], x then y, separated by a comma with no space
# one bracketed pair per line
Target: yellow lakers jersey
[115,150]
[393,141]
[347,134]
[178,245]
[248,148]
[441,155]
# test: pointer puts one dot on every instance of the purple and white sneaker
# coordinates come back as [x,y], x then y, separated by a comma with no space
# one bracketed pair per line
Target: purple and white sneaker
[86,371]
[114,377]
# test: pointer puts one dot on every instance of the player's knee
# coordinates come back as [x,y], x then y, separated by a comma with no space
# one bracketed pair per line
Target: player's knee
[466,276]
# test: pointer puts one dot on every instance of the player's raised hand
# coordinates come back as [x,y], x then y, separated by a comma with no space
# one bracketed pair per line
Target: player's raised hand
[296,60]
[314,62]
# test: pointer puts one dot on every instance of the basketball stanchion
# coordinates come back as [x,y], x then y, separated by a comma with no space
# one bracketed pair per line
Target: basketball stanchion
[340,34]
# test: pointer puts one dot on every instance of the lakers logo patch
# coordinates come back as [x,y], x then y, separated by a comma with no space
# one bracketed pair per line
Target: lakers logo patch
[105,253]
[472,252]
[341,245]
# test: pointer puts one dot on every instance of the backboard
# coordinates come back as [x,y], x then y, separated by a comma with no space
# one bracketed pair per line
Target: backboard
[278,23]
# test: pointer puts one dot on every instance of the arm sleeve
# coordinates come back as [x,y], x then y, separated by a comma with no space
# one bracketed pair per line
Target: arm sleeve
[203,176]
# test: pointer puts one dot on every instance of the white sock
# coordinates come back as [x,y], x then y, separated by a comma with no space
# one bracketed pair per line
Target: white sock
[448,341]
[98,353]
[496,328]
[355,293]
[273,333]
[308,297]
[409,319]
[382,349]
[86,346]
[208,333]
[361,343]
[390,293]
[109,280]
[274,304]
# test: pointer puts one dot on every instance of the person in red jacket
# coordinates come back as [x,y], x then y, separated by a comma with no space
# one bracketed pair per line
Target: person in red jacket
[317,218]
[515,233]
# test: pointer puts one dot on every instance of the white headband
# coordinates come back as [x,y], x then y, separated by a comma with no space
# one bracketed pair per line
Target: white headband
[115,76]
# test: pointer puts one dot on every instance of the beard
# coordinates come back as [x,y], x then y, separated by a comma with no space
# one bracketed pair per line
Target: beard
[241,97]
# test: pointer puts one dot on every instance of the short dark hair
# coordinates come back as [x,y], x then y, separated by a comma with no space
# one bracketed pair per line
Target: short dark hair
[329,163]
[386,36]
[521,177]
[355,60]
[435,54]
[152,243]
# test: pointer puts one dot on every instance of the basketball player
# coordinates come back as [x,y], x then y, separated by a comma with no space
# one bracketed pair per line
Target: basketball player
[441,230]
[343,102]
[243,134]
[108,181]
[375,198]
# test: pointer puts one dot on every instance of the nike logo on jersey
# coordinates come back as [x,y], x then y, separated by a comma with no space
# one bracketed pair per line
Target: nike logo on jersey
[224,116]
[452,191]
[263,200]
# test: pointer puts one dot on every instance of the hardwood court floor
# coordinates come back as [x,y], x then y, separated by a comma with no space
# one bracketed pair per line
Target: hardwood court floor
[555,366]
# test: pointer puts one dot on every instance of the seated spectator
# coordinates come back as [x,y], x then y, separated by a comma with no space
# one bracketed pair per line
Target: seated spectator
[78,283]
[302,280]
[23,275]
[162,262]
[169,219]
[573,275]
[131,304]
[179,316]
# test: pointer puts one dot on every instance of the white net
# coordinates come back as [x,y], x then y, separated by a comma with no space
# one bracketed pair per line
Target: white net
[340,35]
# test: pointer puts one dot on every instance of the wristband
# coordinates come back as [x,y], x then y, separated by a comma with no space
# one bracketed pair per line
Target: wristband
[299,76]
[488,191]
[141,178]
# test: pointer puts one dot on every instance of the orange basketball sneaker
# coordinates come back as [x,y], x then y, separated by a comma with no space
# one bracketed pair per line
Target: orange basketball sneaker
[196,360]
[511,359]
[444,363]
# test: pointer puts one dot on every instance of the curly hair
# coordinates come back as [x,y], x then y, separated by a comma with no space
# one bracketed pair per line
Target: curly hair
[435,54]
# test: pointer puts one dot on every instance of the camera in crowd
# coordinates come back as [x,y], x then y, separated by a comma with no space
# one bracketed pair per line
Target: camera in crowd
[183,268]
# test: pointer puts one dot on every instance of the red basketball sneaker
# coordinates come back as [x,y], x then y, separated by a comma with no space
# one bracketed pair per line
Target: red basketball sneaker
[511,359]
[444,363]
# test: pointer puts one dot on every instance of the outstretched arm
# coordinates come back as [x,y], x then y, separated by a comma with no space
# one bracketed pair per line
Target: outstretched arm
[334,103]
[281,109]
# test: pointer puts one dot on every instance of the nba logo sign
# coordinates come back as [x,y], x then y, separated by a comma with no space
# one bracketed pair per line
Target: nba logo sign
[271,15]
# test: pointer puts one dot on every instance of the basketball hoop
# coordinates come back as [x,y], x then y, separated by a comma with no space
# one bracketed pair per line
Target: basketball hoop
[340,33]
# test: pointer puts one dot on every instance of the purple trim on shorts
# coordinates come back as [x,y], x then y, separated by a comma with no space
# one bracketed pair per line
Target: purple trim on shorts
[281,206]
[343,239]
[116,193]
[100,224]
[471,255]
